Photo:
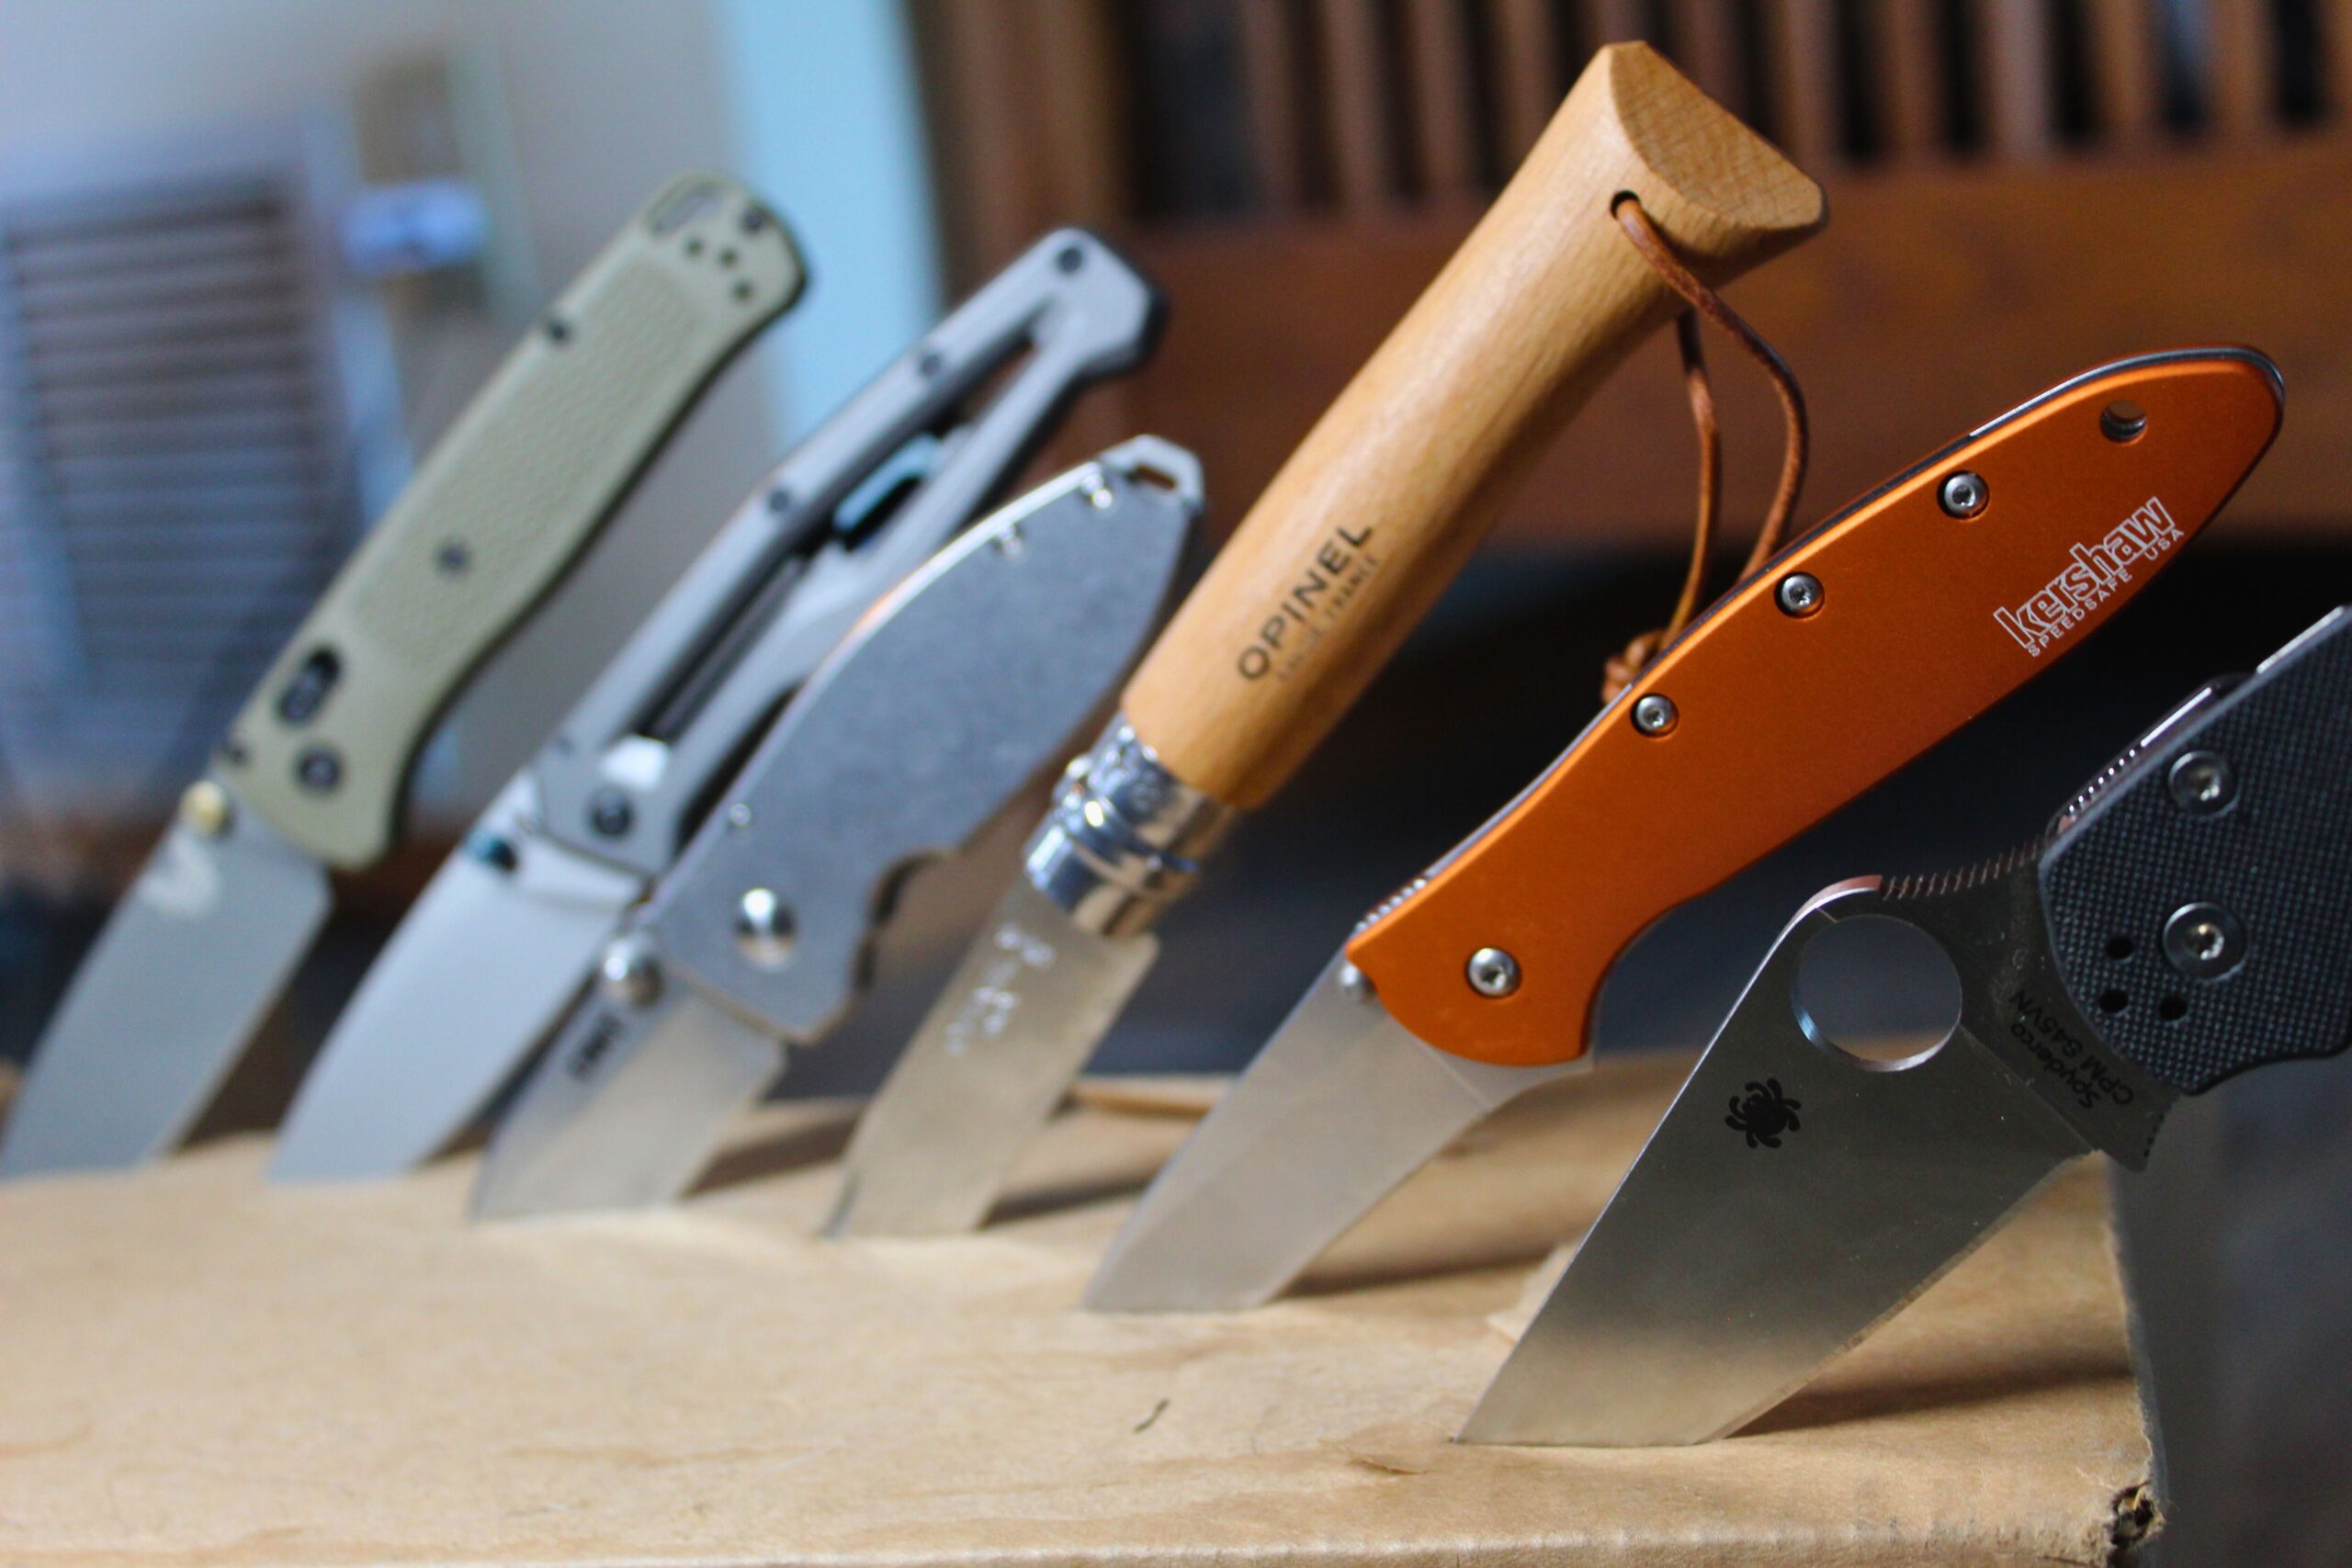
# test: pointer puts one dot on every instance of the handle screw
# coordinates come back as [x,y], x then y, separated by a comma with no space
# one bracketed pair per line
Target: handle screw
[2204,940]
[1493,972]
[610,813]
[763,928]
[1799,594]
[1354,982]
[1656,714]
[2202,783]
[205,809]
[629,973]
[739,815]
[318,770]
[1963,494]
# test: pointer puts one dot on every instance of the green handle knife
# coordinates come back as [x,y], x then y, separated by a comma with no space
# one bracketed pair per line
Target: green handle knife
[313,772]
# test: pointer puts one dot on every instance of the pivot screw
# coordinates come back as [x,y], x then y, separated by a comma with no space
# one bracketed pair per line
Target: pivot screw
[763,928]
[1656,714]
[205,809]
[2204,940]
[1493,972]
[610,813]
[1799,594]
[629,973]
[1963,494]
[2202,783]
[318,770]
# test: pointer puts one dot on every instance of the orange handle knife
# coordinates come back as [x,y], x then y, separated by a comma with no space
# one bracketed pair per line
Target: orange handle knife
[1972,570]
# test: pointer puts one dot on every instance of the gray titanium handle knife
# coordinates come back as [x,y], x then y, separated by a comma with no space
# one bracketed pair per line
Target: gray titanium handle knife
[500,943]
[312,772]
[2185,920]
[955,691]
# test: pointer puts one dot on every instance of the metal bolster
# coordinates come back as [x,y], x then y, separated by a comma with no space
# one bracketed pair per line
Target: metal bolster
[1124,837]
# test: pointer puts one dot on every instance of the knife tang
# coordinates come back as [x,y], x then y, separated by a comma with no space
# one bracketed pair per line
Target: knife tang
[509,497]
[955,691]
[857,506]
[1783,702]
[1398,482]
[2198,901]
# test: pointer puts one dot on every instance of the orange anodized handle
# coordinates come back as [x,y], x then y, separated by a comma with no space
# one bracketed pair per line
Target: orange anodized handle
[1779,713]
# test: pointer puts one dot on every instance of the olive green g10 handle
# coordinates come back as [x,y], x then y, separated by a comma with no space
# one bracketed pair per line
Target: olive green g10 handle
[507,500]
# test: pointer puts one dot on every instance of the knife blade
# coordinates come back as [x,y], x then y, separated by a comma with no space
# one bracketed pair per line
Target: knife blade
[318,762]
[957,690]
[509,929]
[2182,923]
[1922,605]
[1345,550]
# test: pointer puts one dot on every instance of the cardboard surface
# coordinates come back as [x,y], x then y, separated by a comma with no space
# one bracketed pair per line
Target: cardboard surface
[200,1370]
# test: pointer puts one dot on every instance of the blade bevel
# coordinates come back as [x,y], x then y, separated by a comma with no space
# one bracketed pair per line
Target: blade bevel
[1749,1247]
[189,965]
[1341,1105]
[480,971]
[1032,997]
[624,1109]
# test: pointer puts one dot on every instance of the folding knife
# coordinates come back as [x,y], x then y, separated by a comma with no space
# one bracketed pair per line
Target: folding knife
[2183,922]
[1348,547]
[312,772]
[1853,651]
[954,691]
[509,929]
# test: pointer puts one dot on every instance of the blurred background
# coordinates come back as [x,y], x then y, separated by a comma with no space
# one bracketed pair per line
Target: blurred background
[255,254]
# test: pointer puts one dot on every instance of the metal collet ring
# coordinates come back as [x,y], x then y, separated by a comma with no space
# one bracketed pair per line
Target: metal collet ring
[1124,837]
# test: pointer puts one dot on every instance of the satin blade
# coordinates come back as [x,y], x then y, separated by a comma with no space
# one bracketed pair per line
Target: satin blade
[186,968]
[1793,1198]
[1341,1106]
[1034,995]
[480,970]
[625,1108]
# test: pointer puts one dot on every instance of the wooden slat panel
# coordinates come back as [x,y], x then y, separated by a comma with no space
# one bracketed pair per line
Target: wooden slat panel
[1617,21]
[2336,37]
[1445,133]
[1802,39]
[1072,67]
[1270,73]
[1526,65]
[1707,48]
[985,136]
[2015,79]
[2242,88]
[1355,103]
[1935,301]
[1909,83]
[2123,68]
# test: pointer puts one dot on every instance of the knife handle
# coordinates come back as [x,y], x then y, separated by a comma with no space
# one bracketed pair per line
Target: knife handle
[510,496]
[1784,702]
[2199,901]
[1398,482]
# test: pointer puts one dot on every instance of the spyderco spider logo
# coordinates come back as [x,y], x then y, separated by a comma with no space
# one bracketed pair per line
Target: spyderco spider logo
[2090,577]
[1763,1113]
[1342,565]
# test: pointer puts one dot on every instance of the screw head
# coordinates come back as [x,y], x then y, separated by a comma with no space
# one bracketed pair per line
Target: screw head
[610,813]
[763,928]
[1963,494]
[452,559]
[2202,783]
[1799,594]
[1493,972]
[2122,420]
[1656,714]
[2204,942]
[1070,258]
[206,809]
[1098,495]
[318,770]
[496,850]
[739,815]
[629,973]
[1354,982]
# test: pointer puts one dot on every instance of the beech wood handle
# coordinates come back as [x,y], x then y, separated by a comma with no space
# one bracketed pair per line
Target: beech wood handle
[1403,476]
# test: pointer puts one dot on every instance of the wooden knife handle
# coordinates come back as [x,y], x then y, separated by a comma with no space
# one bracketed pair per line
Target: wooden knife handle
[1402,477]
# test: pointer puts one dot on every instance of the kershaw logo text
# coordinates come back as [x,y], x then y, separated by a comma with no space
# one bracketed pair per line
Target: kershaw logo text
[2091,575]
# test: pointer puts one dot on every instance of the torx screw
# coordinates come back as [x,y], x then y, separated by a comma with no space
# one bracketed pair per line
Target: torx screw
[610,813]
[2204,940]
[1656,714]
[763,928]
[205,809]
[1799,594]
[2202,783]
[1493,972]
[629,973]
[1963,494]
